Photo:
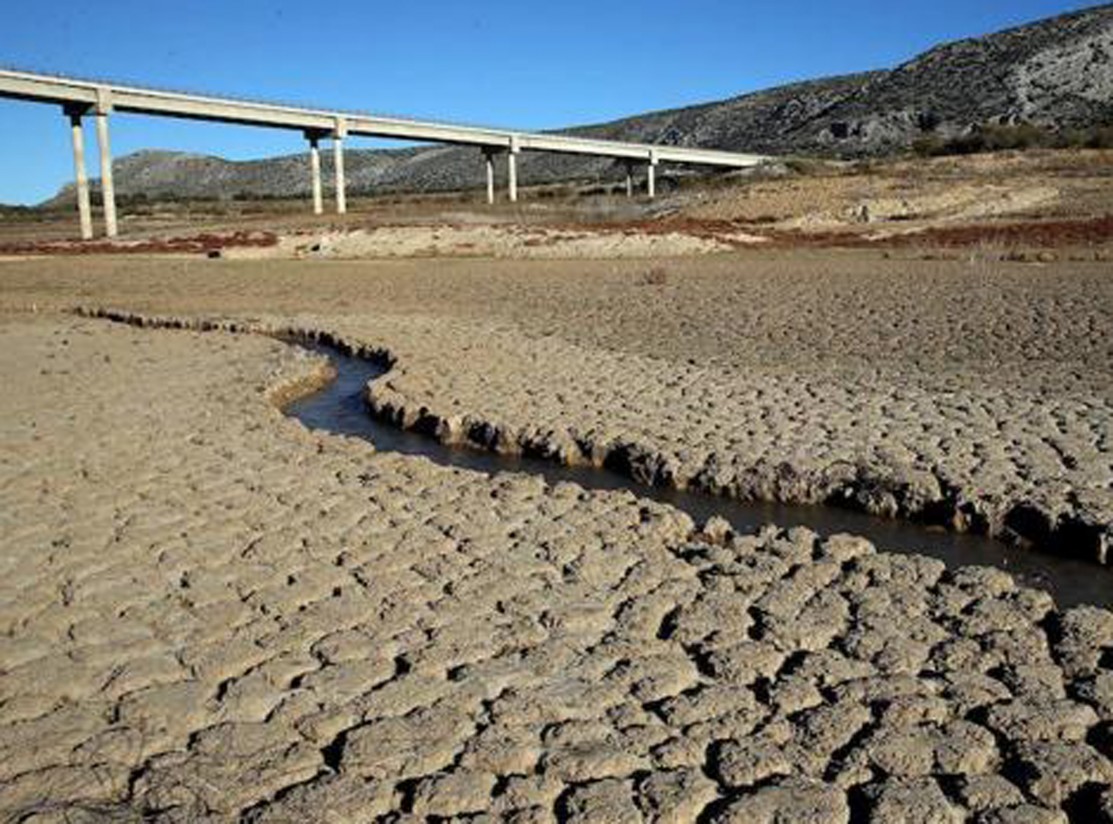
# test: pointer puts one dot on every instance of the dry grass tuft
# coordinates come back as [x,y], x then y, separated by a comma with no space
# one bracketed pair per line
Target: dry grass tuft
[657,276]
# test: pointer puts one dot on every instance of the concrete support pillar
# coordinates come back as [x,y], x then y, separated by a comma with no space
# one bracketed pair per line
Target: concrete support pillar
[338,149]
[107,187]
[629,180]
[512,175]
[489,160]
[341,192]
[512,168]
[81,180]
[315,171]
[651,175]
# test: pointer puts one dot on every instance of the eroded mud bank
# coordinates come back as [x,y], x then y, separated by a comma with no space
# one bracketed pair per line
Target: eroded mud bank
[1057,522]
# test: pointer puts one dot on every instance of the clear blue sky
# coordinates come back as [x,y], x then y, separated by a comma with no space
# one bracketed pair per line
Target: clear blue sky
[520,64]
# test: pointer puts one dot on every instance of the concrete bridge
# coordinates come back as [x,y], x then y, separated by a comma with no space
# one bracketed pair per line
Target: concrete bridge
[79,98]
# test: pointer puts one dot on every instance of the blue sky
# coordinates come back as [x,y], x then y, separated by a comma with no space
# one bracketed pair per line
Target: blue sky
[520,64]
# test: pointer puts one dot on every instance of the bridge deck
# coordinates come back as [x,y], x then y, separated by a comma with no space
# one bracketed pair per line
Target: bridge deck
[74,92]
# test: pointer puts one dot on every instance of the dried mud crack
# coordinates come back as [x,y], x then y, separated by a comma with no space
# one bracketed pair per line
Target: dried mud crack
[210,613]
[886,486]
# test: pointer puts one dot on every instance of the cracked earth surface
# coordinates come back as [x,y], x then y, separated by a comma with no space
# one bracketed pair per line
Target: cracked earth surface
[979,397]
[208,612]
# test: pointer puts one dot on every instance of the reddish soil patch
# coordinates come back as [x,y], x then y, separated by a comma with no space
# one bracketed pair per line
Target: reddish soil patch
[1042,234]
[192,244]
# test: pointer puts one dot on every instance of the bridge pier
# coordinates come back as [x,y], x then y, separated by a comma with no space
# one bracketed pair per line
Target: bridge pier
[512,168]
[629,179]
[107,186]
[651,175]
[81,180]
[338,136]
[489,162]
[315,170]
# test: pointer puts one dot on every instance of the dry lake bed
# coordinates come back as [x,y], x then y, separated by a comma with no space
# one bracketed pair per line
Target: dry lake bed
[209,611]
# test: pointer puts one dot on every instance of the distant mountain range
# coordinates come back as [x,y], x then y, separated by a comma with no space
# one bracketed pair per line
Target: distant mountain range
[1056,72]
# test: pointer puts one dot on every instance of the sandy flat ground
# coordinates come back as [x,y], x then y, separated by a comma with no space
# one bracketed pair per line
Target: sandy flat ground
[207,612]
[486,241]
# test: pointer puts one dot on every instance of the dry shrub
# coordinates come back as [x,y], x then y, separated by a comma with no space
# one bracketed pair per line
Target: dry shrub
[993,137]
[657,276]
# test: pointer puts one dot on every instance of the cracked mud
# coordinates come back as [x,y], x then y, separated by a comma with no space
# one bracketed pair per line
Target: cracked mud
[209,612]
[974,396]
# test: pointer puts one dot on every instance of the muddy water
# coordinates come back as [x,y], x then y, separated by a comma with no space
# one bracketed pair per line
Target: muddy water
[340,408]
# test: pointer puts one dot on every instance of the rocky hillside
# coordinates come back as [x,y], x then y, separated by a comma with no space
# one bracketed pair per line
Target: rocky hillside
[1056,72]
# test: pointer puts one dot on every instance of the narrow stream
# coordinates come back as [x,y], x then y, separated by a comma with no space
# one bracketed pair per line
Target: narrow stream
[341,408]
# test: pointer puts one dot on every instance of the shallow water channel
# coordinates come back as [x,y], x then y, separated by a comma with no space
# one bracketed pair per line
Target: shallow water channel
[341,408]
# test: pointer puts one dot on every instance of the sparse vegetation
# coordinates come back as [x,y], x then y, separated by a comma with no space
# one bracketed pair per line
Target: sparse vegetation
[992,137]
[20,214]
[805,165]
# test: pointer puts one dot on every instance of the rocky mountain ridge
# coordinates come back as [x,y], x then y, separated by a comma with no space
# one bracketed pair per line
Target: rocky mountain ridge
[1056,73]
